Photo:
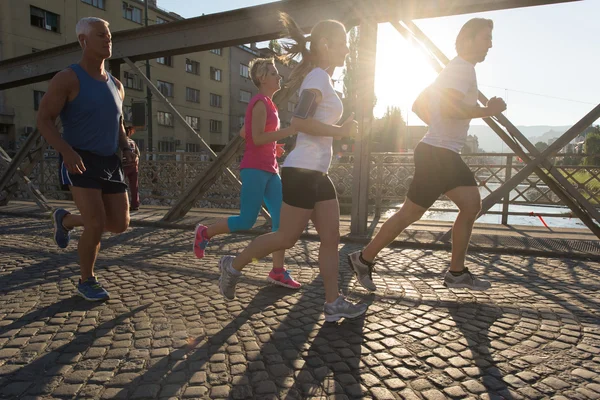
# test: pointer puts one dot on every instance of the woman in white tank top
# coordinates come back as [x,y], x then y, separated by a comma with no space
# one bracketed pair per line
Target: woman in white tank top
[308,193]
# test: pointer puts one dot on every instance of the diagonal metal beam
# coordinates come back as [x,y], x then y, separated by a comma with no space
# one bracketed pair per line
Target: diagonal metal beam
[203,182]
[568,193]
[252,24]
[569,135]
[37,196]
[214,155]
[18,159]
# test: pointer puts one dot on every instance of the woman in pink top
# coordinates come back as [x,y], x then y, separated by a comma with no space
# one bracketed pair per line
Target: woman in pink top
[259,169]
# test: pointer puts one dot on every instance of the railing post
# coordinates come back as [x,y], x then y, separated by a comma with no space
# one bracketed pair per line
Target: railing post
[378,185]
[506,200]
[364,115]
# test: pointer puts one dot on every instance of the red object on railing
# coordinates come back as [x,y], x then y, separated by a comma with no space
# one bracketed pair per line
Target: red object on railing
[540,217]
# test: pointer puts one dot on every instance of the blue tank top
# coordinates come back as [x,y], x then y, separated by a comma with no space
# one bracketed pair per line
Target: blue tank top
[91,121]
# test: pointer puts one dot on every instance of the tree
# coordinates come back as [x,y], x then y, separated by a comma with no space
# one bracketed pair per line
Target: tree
[351,73]
[275,46]
[541,146]
[387,131]
[592,147]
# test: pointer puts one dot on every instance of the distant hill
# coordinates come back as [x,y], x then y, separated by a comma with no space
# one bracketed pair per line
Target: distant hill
[489,141]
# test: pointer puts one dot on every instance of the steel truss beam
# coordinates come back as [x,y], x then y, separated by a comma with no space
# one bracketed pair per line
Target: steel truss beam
[241,26]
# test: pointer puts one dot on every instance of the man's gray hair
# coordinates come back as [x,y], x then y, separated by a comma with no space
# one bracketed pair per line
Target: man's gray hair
[84,25]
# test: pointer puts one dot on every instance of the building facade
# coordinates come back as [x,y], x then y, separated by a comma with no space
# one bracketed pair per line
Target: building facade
[197,84]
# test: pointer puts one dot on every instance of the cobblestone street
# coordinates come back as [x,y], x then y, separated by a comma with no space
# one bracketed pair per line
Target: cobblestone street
[168,333]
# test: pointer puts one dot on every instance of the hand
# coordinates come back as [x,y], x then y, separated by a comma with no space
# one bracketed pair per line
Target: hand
[350,127]
[73,162]
[496,105]
[280,150]
[130,157]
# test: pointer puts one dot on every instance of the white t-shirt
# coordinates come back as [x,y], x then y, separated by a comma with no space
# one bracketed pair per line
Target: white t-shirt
[450,133]
[314,152]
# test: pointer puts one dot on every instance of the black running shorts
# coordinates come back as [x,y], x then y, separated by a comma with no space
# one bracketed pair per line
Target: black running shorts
[303,188]
[437,171]
[101,172]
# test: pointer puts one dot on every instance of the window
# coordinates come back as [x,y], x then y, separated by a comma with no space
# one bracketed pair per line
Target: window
[244,71]
[164,118]
[215,100]
[216,51]
[127,113]
[37,98]
[216,126]
[192,95]
[168,61]
[192,147]
[132,81]
[132,13]
[159,20]
[242,120]
[291,106]
[245,96]
[165,88]
[44,19]
[215,74]
[95,3]
[194,122]
[166,146]
[191,66]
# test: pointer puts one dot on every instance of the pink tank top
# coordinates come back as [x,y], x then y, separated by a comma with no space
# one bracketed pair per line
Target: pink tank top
[261,157]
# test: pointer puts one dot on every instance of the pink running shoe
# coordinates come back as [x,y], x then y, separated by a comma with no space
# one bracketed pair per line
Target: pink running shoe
[200,241]
[283,279]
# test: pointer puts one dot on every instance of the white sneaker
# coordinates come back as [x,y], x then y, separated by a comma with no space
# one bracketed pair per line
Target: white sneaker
[342,308]
[465,280]
[363,271]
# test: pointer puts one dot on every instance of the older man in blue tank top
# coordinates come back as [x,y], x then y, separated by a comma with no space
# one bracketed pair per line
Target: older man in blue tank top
[89,102]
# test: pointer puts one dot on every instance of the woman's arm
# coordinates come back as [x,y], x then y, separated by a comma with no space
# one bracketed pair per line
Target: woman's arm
[259,121]
[313,127]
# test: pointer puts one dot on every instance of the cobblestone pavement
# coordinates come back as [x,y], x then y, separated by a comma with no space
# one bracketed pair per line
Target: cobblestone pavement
[167,333]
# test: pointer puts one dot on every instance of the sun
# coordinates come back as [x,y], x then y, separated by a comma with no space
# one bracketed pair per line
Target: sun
[401,73]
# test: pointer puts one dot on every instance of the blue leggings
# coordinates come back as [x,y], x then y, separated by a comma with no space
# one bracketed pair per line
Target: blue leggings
[257,185]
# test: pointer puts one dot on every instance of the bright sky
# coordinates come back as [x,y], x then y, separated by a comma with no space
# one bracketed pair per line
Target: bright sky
[544,63]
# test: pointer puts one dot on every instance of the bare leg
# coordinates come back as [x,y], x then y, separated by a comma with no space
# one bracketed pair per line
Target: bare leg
[327,222]
[218,228]
[116,207]
[468,200]
[91,206]
[408,214]
[293,222]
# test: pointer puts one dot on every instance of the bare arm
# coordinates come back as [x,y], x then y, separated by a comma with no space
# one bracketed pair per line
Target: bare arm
[122,134]
[259,121]
[52,103]
[63,87]
[313,127]
[452,106]
[243,131]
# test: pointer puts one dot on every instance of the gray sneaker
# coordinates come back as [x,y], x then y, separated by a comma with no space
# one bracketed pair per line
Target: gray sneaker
[363,272]
[342,308]
[466,280]
[227,280]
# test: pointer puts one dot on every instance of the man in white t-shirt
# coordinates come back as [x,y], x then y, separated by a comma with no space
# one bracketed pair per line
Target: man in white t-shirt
[447,106]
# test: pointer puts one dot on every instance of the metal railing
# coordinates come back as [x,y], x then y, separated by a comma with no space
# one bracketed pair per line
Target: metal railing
[164,176]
